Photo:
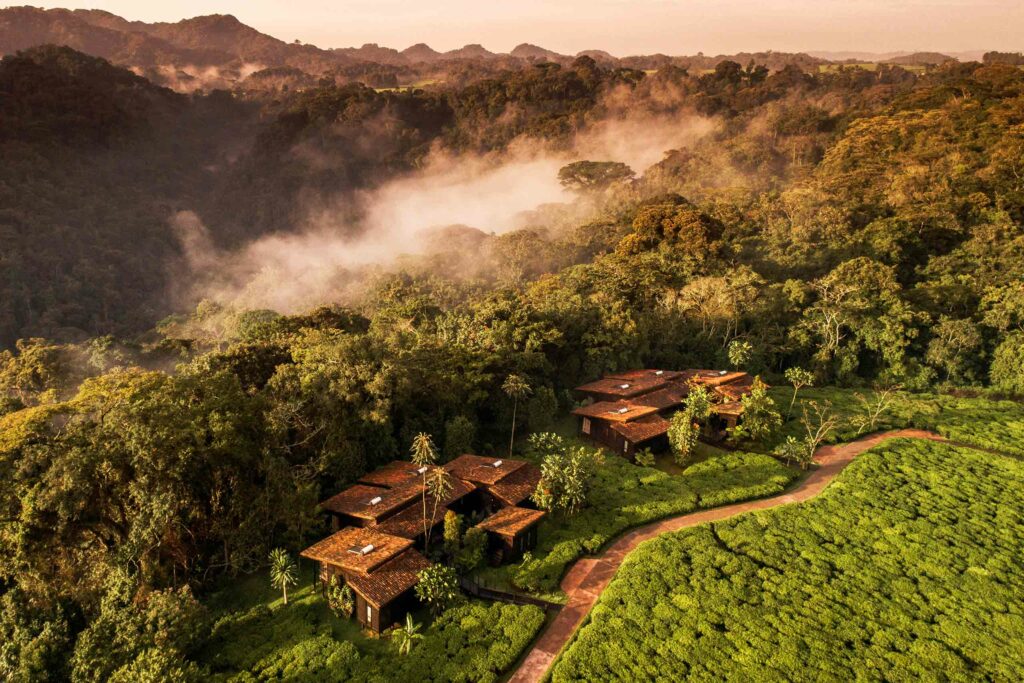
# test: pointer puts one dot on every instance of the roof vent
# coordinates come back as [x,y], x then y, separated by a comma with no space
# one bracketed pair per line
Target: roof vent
[659,373]
[723,372]
[375,500]
[422,470]
[623,386]
[620,411]
[497,463]
[362,549]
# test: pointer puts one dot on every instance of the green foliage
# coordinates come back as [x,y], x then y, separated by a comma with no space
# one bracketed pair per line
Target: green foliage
[853,584]
[740,352]
[593,175]
[686,424]
[541,410]
[452,533]
[459,433]
[147,639]
[799,378]
[255,638]
[282,571]
[760,419]
[473,551]
[645,458]
[1007,371]
[623,496]
[340,598]
[438,587]
[566,477]
[405,636]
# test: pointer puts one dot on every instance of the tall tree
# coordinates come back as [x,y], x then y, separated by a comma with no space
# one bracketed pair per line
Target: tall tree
[516,388]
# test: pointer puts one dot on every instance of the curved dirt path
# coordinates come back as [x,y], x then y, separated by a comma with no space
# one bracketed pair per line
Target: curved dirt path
[589,576]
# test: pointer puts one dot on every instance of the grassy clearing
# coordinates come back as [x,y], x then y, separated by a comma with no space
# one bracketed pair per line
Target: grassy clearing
[907,568]
[625,496]
[255,637]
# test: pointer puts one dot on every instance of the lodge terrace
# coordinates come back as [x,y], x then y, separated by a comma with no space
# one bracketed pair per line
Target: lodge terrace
[629,411]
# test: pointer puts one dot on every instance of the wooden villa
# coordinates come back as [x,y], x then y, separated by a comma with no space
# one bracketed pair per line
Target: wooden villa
[382,571]
[368,505]
[630,410]
[500,482]
[511,531]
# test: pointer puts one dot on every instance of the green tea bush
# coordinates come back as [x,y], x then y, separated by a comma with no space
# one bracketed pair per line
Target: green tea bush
[624,496]
[906,568]
[304,642]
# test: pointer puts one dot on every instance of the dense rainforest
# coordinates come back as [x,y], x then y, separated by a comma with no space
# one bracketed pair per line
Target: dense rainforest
[864,224]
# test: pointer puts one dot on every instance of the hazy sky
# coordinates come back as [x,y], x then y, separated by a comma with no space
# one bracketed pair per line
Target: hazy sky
[622,27]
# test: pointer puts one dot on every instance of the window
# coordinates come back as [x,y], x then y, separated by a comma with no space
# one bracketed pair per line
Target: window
[625,447]
[369,613]
[586,425]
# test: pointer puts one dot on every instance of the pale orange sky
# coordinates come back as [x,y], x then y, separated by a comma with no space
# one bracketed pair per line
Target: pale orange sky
[622,27]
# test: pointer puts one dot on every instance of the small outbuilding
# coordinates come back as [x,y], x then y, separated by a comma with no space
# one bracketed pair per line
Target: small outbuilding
[511,531]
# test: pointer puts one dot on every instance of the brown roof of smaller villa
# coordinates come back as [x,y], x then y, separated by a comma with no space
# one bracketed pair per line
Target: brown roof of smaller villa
[643,429]
[356,549]
[482,470]
[518,486]
[712,378]
[623,388]
[389,580]
[409,522]
[730,408]
[671,396]
[395,473]
[619,411]
[369,502]
[510,521]
[645,374]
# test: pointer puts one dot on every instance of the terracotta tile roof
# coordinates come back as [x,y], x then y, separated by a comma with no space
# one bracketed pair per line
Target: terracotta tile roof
[712,378]
[623,388]
[643,429]
[518,486]
[670,397]
[409,522]
[619,411]
[339,549]
[459,488]
[734,391]
[481,470]
[393,474]
[730,408]
[356,501]
[389,580]
[637,375]
[511,520]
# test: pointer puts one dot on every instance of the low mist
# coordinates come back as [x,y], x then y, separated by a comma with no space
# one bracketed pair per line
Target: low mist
[326,259]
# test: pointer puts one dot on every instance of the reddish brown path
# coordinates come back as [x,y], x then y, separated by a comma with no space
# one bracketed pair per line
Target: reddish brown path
[589,576]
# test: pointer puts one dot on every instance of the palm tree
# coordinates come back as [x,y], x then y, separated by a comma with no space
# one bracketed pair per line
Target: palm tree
[516,388]
[424,454]
[438,484]
[282,571]
[406,635]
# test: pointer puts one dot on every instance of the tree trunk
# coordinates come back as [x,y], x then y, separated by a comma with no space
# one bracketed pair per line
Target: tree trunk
[512,440]
[284,587]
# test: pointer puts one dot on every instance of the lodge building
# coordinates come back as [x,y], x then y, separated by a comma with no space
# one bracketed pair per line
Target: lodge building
[379,528]
[629,411]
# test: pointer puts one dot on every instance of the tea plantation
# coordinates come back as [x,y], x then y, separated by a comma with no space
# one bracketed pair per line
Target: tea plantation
[910,566]
[255,637]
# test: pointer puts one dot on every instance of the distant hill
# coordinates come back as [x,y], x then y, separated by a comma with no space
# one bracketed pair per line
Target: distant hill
[421,52]
[921,58]
[535,53]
